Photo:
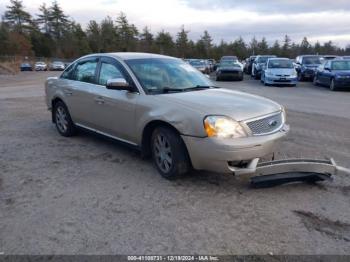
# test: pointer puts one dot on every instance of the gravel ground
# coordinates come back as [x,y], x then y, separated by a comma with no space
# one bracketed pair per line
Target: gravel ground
[90,195]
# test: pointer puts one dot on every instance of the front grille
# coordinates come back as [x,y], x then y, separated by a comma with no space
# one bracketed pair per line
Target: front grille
[266,125]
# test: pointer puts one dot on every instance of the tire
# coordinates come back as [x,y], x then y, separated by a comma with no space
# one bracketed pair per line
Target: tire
[314,81]
[63,121]
[300,77]
[217,78]
[169,153]
[332,86]
[241,78]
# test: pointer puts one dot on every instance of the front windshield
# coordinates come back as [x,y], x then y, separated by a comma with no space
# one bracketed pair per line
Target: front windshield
[229,63]
[263,59]
[280,63]
[312,60]
[341,65]
[159,74]
[197,63]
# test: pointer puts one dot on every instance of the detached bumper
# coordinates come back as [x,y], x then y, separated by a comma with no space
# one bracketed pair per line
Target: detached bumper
[239,156]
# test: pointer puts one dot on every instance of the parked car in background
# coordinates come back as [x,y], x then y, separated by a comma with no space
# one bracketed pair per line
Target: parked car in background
[259,64]
[201,65]
[345,57]
[306,66]
[213,63]
[248,65]
[334,73]
[26,67]
[166,109]
[279,71]
[40,66]
[229,69]
[57,66]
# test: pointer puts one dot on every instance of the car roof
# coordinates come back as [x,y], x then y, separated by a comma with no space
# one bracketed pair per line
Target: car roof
[134,55]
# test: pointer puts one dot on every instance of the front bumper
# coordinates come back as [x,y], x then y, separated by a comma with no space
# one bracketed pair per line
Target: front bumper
[239,156]
[230,74]
[342,82]
[275,80]
[308,73]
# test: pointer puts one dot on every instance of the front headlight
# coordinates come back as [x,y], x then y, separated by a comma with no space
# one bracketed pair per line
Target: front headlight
[268,74]
[223,127]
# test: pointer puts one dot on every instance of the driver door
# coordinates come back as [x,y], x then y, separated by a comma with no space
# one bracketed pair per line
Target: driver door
[114,110]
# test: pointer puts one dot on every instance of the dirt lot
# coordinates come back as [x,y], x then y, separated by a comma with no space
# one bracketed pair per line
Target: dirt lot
[88,195]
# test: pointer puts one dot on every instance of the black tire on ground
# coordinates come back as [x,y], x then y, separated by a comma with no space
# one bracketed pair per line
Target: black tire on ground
[63,120]
[314,81]
[169,153]
[217,78]
[300,77]
[332,86]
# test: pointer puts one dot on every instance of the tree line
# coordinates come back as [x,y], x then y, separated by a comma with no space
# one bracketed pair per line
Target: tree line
[52,33]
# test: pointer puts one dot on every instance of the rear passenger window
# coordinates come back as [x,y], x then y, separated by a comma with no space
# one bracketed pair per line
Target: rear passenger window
[107,72]
[85,71]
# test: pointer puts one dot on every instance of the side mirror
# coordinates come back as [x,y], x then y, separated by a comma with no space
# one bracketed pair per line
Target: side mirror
[327,68]
[118,84]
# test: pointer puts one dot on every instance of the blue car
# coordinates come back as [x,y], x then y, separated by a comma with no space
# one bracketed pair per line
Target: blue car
[26,67]
[279,71]
[334,73]
[306,66]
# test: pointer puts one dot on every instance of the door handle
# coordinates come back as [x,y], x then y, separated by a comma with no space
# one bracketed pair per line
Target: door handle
[99,100]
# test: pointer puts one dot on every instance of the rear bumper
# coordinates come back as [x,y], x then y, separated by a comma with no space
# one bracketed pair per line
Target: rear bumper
[239,156]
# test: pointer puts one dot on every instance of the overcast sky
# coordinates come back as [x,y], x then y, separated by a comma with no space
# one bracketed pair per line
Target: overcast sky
[321,20]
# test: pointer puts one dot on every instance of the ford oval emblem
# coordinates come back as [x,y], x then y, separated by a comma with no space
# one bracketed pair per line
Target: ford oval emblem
[273,123]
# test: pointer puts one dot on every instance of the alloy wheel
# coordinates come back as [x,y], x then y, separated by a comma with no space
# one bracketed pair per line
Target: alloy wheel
[61,119]
[162,153]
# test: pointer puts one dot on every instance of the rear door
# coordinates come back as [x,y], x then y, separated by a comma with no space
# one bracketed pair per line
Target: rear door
[78,91]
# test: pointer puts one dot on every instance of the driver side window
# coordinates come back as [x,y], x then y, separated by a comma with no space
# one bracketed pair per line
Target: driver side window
[107,72]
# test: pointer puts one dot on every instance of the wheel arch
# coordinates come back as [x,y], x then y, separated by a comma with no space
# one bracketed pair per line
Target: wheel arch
[54,101]
[147,134]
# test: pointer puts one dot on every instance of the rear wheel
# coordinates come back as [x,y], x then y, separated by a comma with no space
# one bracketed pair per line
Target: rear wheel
[169,153]
[63,121]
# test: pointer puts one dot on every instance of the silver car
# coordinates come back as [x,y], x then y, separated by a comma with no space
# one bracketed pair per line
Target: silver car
[168,110]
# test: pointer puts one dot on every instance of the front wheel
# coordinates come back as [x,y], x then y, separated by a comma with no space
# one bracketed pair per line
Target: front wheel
[63,121]
[169,153]
[332,86]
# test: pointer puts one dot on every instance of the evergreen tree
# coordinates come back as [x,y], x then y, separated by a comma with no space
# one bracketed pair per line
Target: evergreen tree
[165,43]
[146,40]
[182,42]
[18,19]
[59,21]
[127,34]
[44,18]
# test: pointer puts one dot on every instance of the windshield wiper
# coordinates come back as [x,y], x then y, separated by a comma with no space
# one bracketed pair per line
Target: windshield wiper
[199,87]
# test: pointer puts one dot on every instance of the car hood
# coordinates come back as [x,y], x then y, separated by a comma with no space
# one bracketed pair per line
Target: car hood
[237,105]
[281,71]
[342,73]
